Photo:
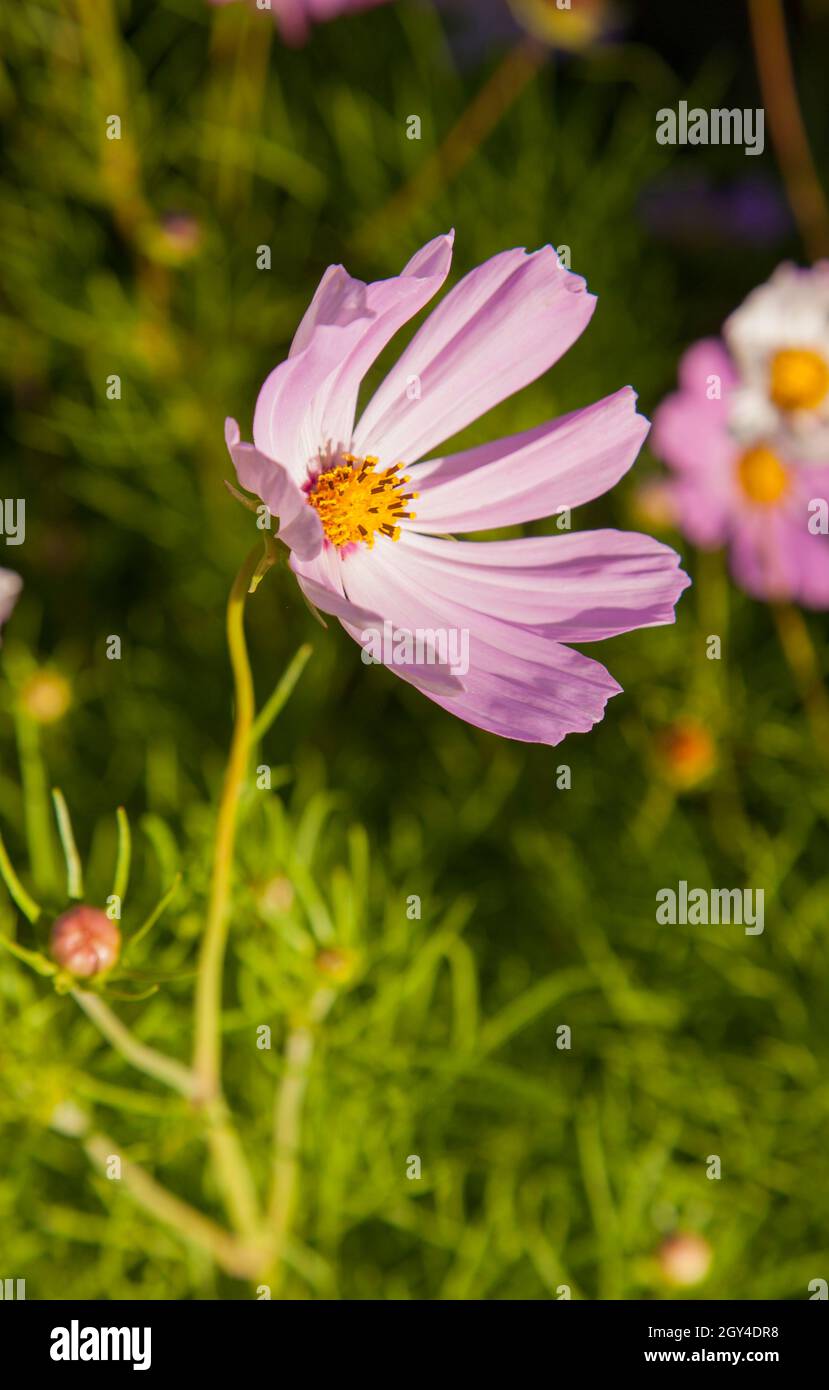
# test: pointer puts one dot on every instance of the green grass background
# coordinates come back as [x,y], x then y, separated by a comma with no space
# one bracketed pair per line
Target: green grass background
[540,1166]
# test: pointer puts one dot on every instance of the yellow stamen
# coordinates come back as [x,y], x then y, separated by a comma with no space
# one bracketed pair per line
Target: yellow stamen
[762,476]
[353,501]
[799,379]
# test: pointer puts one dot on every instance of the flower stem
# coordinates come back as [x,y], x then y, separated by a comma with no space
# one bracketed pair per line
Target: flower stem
[803,663]
[281,694]
[788,131]
[144,1058]
[24,900]
[207,1058]
[287,1130]
[229,1162]
[120,167]
[237,1259]
[36,805]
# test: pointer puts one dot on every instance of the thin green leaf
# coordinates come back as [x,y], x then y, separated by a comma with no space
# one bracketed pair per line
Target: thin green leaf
[27,904]
[74,872]
[150,922]
[122,863]
[34,959]
[282,694]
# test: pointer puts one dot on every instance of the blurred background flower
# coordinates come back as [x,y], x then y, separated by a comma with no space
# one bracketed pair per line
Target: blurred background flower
[739,486]
[295,17]
[9,591]
[694,209]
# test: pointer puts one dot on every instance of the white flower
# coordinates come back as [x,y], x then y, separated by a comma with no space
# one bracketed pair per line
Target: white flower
[779,339]
[10,586]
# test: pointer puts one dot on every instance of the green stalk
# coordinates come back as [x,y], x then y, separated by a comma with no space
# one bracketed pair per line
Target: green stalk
[206,1057]
[36,808]
[229,1163]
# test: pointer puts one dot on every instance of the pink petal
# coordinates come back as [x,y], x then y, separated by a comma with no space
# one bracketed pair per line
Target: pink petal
[307,403]
[325,568]
[580,587]
[339,300]
[690,432]
[563,463]
[285,425]
[327,601]
[519,684]
[705,359]
[299,526]
[572,702]
[775,557]
[503,325]
[321,582]
[389,304]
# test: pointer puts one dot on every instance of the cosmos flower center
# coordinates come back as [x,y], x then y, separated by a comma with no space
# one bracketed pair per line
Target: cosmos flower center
[761,475]
[354,501]
[799,379]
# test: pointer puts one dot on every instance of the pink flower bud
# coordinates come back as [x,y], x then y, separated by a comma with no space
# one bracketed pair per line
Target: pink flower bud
[684,1259]
[85,941]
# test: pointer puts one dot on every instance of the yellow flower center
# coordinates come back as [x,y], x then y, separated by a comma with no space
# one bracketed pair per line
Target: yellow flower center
[799,379]
[354,501]
[568,28]
[762,476]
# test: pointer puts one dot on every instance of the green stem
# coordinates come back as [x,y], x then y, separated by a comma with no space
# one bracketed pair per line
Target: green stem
[24,901]
[36,807]
[74,869]
[240,1261]
[287,1130]
[281,694]
[207,1053]
[144,1058]
[788,129]
[149,922]
[122,863]
[803,662]
[229,1162]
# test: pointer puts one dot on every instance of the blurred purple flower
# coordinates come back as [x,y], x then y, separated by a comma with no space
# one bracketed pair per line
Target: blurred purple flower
[694,208]
[295,17]
[478,25]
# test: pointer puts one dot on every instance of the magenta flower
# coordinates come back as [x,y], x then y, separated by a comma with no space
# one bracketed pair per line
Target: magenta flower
[10,586]
[479,627]
[751,492]
[295,17]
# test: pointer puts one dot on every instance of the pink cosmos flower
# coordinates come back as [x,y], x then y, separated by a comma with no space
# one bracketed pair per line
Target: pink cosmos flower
[295,17]
[753,493]
[365,507]
[779,341]
[10,586]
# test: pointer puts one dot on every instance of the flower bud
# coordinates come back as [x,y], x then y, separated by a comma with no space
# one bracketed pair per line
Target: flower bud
[684,1259]
[46,696]
[336,964]
[686,753]
[85,941]
[276,897]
